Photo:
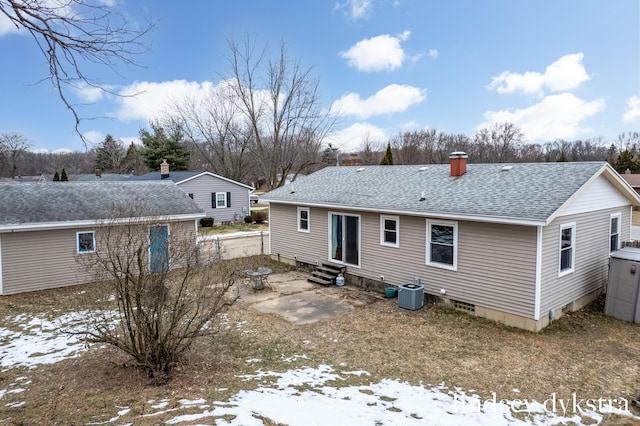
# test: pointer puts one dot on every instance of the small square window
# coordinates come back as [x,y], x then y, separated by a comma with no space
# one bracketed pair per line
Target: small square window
[389,231]
[86,242]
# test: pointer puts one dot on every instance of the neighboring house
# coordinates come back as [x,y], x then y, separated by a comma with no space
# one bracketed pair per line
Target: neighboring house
[518,243]
[633,180]
[45,226]
[223,199]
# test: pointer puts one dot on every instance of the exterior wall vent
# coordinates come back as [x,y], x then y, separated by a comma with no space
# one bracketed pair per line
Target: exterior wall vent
[467,307]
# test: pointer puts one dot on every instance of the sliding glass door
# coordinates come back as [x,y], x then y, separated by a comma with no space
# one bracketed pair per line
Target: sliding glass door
[344,235]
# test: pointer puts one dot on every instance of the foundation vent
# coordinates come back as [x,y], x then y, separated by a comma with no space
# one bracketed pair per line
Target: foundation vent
[467,307]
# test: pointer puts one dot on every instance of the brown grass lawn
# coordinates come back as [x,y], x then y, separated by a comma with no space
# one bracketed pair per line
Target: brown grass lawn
[584,352]
[218,229]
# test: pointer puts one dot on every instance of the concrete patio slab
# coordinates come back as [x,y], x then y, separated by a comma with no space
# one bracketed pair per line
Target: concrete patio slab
[300,302]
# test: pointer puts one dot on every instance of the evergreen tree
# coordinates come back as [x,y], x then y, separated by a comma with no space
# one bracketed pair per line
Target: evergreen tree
[56,177]
[63,176]
[387,160]
[626,161]
[162,145]
[133,161]
[110,155]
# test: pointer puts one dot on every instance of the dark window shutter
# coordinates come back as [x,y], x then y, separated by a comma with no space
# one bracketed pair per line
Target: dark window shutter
[228,199]
[213,200]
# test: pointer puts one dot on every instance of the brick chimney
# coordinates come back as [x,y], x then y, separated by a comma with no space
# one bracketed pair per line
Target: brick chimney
[458,161]
[164,169]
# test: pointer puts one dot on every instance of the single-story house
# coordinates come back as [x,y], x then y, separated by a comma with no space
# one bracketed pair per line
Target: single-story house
[45,226]
[223,199]
[516,243]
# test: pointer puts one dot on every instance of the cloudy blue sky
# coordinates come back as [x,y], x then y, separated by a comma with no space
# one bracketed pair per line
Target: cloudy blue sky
[558,69]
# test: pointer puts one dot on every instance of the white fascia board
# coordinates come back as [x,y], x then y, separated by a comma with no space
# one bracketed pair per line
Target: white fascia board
[88,223]
[470,218]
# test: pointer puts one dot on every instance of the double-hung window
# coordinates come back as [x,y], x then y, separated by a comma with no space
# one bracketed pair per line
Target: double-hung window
[614,232]
[390,231]
[442,244]
[85,242]
[303,219]
[567,248]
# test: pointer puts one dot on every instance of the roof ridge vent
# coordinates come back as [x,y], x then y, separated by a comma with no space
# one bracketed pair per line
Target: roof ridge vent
[506,168]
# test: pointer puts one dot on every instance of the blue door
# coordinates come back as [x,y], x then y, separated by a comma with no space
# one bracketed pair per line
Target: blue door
[159,248]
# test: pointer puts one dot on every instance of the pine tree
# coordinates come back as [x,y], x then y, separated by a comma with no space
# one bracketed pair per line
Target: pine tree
[160,145]
[387,160]
[56,177]
[110,155]
[63,176]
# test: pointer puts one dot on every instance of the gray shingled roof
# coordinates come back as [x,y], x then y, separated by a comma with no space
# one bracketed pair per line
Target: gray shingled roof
[52,202]
[526,192]
[175,176]
[182,175]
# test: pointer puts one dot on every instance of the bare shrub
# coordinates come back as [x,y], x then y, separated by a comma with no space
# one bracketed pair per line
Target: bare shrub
[164,298]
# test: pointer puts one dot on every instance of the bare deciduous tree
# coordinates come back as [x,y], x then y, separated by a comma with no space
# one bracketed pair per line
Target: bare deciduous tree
[215,126]
[164,296]
[280,105]
[12,147]
[70,32]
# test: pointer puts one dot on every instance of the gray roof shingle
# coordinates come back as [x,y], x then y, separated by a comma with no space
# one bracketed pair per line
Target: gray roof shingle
[525,192]
[56,202]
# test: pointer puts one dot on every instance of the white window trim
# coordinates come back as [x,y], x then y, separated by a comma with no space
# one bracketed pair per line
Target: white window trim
[453,267]
[93,236]
[619,217]
[224,199]
[304,209]
[382,230]
[567,271]
[329,258]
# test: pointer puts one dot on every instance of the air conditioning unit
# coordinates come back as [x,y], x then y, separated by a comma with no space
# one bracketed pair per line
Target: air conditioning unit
[411,296]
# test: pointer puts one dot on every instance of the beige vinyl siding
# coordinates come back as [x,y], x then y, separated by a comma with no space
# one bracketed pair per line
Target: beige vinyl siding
[287,242]
[39,260]
[202,187]
[591,257]
[496,263]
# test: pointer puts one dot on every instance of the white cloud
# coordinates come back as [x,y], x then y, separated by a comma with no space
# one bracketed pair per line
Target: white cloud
[433,53]
[94,137]
[564,74]
[148,101]
[380,53]
[350,139]
[633,109]
[393,98]
[6,26]
[555,117]
[90,93]
[355,9]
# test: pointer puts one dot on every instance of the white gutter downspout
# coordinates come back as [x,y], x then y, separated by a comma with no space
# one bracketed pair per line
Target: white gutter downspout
[536,306]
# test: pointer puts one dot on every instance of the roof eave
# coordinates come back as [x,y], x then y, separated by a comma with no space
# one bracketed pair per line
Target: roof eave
[45,226]
[435,215]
